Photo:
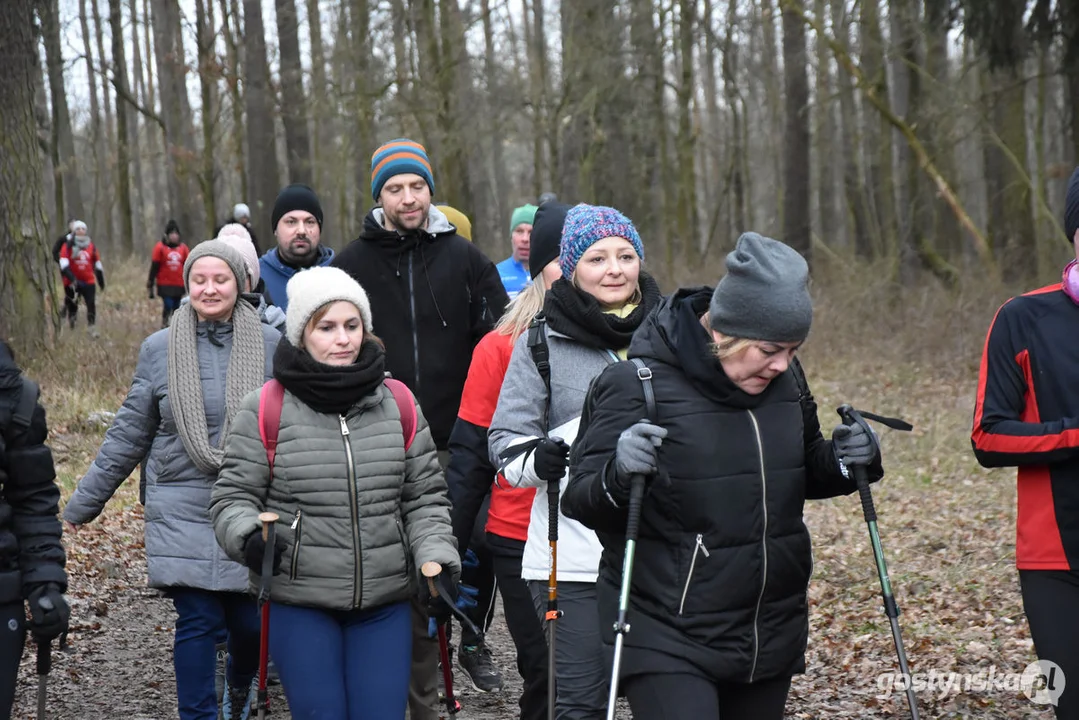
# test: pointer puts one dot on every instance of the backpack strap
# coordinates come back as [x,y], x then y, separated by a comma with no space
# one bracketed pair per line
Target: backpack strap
[406,405]
[644,374]
[271,400]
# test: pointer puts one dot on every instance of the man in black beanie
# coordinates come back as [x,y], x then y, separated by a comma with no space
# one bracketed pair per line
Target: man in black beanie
[297,226]
[1026,416]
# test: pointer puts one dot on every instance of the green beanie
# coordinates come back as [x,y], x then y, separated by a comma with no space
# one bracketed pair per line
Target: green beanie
[523,214]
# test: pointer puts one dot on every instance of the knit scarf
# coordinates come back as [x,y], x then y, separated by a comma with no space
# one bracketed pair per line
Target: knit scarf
[573,312]
[246,372]
[329,389]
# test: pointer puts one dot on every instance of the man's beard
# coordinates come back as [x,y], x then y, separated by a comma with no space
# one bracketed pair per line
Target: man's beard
[305,260]
[397,223]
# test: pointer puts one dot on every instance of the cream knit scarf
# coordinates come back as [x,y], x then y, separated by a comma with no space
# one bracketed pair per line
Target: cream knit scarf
[246,372]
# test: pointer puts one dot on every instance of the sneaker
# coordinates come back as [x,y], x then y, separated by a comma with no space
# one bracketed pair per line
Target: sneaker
[236,702]
[479,666]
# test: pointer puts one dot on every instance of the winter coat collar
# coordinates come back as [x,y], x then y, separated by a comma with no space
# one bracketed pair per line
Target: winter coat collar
[374,230]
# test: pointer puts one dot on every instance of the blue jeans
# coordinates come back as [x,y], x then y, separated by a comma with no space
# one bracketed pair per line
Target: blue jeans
[343,665]
[202,618]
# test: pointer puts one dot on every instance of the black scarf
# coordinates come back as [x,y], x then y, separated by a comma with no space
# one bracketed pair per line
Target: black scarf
[573,312]
[329,389]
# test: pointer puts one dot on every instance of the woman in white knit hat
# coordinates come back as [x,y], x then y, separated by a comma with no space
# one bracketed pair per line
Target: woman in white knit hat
[361,500]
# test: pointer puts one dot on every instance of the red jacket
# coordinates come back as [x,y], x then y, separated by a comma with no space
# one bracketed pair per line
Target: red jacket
[169,264]
[81,261]
[1027,416]
[470,474]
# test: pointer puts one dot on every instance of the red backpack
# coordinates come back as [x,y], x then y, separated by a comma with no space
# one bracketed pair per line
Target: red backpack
[273,398]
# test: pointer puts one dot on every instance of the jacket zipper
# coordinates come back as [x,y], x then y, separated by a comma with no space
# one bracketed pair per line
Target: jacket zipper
[693,564]
[764,545]
[352,503]
[297,528]
[415,331]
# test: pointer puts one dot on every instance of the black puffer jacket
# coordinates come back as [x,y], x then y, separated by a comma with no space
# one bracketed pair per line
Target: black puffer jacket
[30,548]
[433,295]
[723,558]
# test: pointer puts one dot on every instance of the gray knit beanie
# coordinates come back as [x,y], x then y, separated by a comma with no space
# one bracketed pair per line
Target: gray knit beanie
[308,290]
[223,251]
[765,293]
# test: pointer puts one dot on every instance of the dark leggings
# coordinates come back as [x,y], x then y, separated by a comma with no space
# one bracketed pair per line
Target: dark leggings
[12,638]
[88,293]
[1050,600]
[681,696]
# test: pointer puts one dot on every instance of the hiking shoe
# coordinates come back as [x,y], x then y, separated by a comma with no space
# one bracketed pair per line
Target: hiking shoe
[479,666]
[236,702]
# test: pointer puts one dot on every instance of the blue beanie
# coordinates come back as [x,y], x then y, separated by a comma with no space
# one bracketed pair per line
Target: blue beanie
[396,158]
[587,225]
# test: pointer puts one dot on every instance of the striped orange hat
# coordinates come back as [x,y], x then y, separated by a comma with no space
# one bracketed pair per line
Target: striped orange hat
[397,157]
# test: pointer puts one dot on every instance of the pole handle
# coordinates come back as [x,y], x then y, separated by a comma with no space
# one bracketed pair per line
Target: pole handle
[636,497]
[44,656]
[267,519]
[431,570]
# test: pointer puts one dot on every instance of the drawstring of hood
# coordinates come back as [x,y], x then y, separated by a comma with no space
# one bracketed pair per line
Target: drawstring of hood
[430,289]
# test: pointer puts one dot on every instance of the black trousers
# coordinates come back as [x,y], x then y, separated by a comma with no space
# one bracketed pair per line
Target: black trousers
[89,294]
[483,579]
[681,696]
[70,306]
[1051,603]
[12,639]
[524,625]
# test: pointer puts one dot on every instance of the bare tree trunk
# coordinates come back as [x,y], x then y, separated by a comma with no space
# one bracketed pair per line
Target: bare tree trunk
[494,110]
[828,230]
[739,139]
[205,36]
[119,80]
[293,103]
[230,27]
[322,141]
[712,156]
[360,19]
[938,126]
[455,90]
[140,199]
[157,163]
[179,155]
[796,221]
[63,140]
[105,225]
[262,173]
[878,145]
[685,144]
[95,116]
[541,93]
[853,187]
[773,94]
[25,277]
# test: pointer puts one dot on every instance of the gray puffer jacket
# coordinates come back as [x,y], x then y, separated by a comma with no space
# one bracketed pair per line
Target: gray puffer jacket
[181,550]
[358,513]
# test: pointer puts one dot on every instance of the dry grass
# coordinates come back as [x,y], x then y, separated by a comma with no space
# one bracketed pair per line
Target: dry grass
[947,525]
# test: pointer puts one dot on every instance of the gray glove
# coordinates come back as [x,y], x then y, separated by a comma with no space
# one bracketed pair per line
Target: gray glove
[853,445]
[637,451]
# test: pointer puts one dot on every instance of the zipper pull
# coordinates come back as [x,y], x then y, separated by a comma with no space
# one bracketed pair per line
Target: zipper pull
[344,425]
[296,522]
[700,544]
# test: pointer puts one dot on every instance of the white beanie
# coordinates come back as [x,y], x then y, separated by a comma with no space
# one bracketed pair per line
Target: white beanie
[236,235]
[240,210]
[309,290]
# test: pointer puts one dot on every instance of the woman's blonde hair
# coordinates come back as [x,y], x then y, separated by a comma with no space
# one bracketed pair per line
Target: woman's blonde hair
[522,309]
[726,346]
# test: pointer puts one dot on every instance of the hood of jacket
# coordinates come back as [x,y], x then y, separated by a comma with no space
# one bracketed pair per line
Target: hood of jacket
[374,230]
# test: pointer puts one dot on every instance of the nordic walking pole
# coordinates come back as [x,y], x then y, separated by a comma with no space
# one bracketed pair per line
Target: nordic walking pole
[850,416]
[430,571]
[44,667]
[553,613]
[621,627]
[269,537]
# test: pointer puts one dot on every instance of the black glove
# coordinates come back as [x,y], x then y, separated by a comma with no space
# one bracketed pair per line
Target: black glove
[551,458]
[151,289]
[49,611]
[255,551]
[854,445]
[440,610]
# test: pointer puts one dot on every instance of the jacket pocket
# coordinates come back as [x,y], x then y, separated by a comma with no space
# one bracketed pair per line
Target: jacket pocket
[297,534]
[404,545]
[699,552]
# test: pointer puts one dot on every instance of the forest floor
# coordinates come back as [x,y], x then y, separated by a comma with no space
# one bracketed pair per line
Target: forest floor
[947,526]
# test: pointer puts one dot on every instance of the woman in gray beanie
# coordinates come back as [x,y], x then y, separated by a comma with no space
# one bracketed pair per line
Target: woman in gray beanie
[188,385]
[723,561]
[362,502]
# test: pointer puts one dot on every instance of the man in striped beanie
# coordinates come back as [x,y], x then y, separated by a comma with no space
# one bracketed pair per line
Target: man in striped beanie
[436,295]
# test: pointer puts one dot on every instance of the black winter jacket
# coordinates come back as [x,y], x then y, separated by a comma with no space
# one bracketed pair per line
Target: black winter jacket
[433,295]
[723,559]
[30,548]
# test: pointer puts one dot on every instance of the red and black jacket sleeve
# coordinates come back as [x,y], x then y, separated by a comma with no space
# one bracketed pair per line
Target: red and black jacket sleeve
[1008,426]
